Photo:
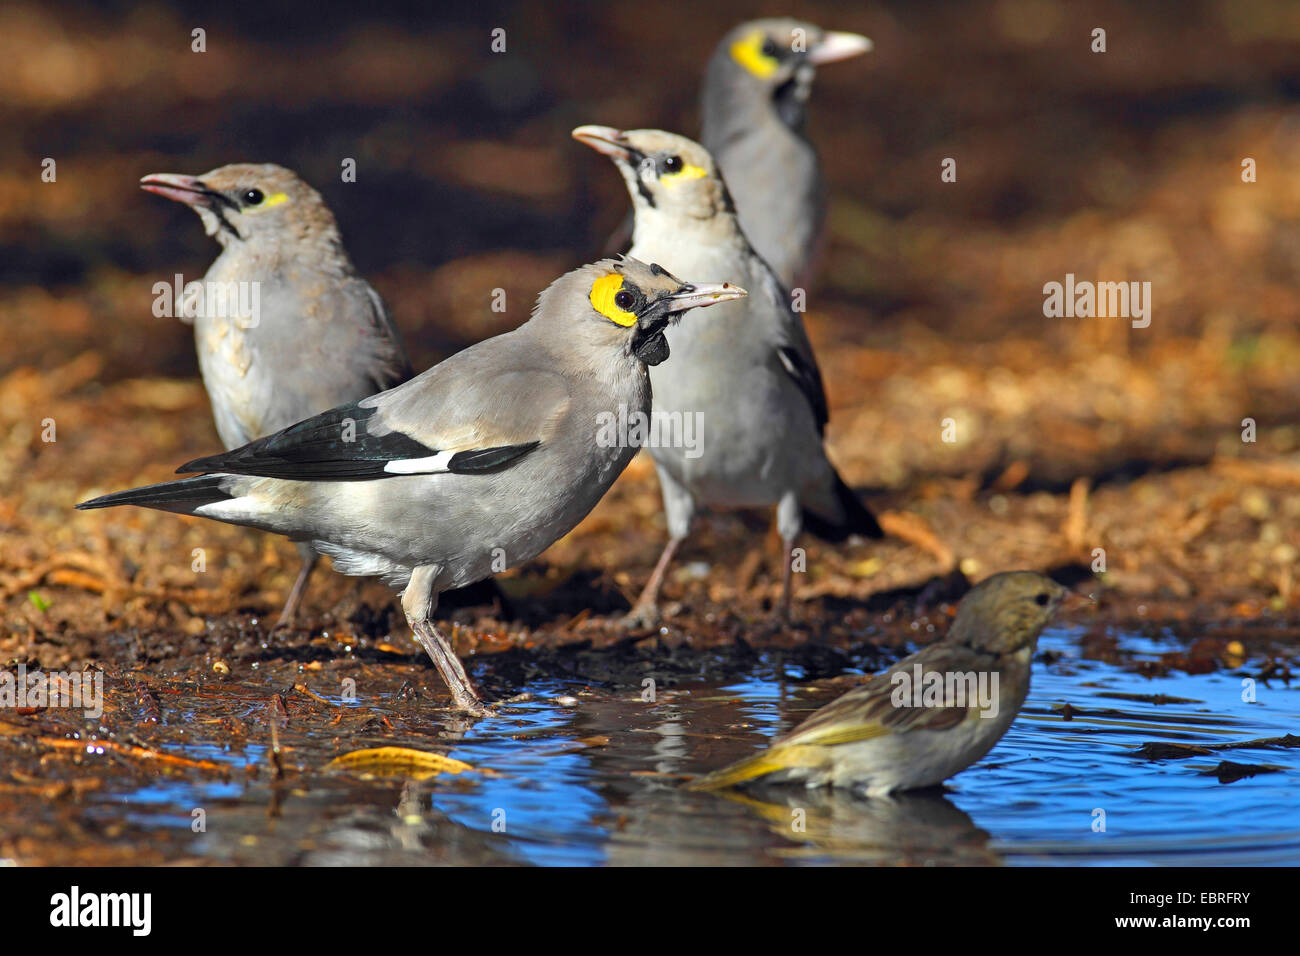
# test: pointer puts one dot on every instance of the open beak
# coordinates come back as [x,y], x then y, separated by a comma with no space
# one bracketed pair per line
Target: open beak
[702,295]
[186,189]
[604,139]
[838,46]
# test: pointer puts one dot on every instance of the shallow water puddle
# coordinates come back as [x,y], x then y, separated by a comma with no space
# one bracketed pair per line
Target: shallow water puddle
[581,776]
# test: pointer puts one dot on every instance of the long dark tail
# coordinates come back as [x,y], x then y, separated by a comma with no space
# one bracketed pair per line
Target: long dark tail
[858,519]
[180,496]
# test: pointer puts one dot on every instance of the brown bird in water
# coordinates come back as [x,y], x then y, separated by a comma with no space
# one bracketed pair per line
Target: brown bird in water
[931,715]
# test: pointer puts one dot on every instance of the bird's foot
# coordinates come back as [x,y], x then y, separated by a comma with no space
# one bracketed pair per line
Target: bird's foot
[779,622]
[467,703]
[640,618]
[463,696]
[285,620]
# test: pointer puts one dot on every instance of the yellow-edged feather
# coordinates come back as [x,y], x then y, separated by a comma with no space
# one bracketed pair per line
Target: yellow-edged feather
[843,734]
[769,761]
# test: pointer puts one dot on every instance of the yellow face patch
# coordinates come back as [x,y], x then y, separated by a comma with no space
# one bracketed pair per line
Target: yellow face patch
[686,172]
[749,54]
[602,295]
[274,199]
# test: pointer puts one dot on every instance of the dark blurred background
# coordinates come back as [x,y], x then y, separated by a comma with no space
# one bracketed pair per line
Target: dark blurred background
[467,177]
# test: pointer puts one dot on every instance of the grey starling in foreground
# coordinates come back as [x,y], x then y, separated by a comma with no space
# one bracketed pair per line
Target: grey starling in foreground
[284,326]
[753,109]
[749,374]
[483,460]
[931,715]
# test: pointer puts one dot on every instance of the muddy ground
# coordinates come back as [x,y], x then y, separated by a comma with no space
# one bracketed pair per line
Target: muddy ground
[1071,435]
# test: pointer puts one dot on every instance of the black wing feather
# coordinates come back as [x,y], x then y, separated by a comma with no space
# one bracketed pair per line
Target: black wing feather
[487,459]
[336,446]
[809,379]
[332,446]
[202,490]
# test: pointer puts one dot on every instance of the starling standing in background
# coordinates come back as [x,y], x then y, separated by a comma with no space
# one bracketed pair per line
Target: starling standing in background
[753,108]
[883,736]
[749,374]
[317,334]
[493,454]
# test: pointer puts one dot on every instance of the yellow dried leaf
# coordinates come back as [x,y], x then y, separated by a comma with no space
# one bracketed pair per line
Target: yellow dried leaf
[397,762]
[865,568]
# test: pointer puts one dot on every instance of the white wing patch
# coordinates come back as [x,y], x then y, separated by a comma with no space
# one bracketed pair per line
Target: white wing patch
[433,465]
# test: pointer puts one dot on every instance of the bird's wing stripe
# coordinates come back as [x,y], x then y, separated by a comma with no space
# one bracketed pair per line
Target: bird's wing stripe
[432,465]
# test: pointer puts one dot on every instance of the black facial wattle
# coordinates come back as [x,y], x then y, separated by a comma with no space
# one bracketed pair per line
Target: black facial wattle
[651,346]
[789,106]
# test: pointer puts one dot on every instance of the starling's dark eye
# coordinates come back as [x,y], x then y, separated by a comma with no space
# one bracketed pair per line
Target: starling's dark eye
[1042,599]
[253,197]
[769,48]
[673,164]
[624,300]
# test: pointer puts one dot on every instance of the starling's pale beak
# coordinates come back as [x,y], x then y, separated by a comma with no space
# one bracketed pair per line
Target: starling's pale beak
[700,295]
[838,46]
[603,139]
[186,189]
